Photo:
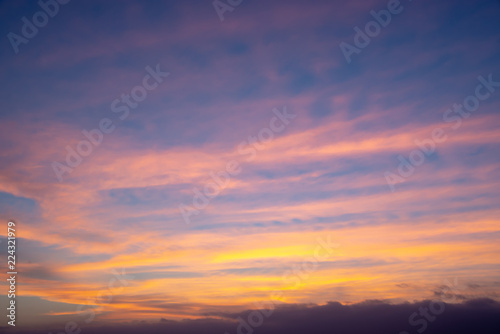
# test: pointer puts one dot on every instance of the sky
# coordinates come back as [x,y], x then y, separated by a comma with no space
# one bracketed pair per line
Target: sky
[178,164]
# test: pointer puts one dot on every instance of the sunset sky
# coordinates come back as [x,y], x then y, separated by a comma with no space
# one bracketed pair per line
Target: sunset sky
[236,156]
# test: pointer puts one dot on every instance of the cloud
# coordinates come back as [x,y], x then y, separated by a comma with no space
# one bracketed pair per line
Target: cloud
[322,175]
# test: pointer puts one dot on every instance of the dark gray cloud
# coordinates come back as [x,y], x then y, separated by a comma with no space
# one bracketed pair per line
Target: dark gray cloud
[479,316]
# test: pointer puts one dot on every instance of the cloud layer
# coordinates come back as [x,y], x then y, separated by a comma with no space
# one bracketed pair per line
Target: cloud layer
[320,175]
